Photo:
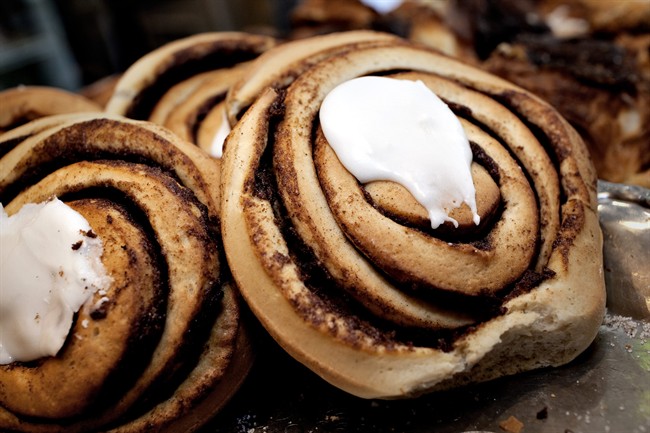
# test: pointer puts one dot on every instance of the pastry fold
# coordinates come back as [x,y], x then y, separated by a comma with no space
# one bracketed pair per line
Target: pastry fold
[164,348]
[279,66]
[23,104]
[182,85]
[348,278]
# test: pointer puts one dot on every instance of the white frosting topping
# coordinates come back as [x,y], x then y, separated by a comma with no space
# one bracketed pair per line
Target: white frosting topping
[216,149]
[49,267]
[382,6]
[399,130]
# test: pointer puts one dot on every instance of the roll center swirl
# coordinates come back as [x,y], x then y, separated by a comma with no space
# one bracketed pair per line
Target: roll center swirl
[394,200]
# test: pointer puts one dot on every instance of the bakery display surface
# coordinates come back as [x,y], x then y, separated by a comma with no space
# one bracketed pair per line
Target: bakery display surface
[604,390]
[476,262]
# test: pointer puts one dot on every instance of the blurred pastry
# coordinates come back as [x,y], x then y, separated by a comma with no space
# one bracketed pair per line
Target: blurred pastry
[182,84]
[24,103]
[600,16]
[101,90]
[318,17]
[428,23]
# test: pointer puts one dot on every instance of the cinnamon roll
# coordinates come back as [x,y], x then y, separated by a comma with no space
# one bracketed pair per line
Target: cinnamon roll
[162,346]
[352,277]
[182,85]
[25,103]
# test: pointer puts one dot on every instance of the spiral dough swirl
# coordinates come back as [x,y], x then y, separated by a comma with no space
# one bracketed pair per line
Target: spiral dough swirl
[169,324]
[359,271]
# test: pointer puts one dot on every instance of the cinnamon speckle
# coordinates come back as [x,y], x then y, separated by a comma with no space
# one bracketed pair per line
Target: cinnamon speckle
[91,234]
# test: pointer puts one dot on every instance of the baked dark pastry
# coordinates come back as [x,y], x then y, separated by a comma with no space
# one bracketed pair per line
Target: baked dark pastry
[611,80]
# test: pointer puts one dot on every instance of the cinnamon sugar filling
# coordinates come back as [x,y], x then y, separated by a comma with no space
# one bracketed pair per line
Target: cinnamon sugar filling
[327,294]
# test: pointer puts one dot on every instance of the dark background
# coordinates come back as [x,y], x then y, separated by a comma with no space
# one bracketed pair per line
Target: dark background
[72,43]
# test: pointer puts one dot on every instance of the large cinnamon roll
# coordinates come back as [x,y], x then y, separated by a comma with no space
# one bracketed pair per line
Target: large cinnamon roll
[161,348]
[351,278]
[182,85]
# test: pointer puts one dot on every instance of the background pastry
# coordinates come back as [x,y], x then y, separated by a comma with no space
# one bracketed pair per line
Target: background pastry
[101,90]
[182,85]
[278,67]
[24,103]
[317,17]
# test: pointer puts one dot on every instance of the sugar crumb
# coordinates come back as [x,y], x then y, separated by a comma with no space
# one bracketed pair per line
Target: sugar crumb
[511,425]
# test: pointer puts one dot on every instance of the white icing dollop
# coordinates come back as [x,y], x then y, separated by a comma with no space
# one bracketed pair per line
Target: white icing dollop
[216,148]
[382,6]
[399,130]
[49,267]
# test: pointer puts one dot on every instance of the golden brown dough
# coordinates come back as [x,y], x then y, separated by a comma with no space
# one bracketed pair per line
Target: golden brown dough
[25,103]
[182,85]
[379,327]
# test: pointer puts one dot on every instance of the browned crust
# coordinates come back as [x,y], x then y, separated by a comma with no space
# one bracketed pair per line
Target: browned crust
[144,82]
[25,103]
